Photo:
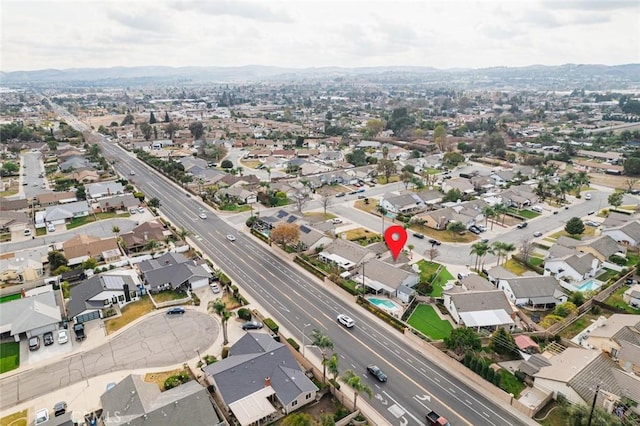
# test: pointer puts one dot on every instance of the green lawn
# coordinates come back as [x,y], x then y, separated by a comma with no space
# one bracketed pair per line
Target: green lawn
[632,259]
[536,261]
[427,269]
[578,325]
[616,300]
[10,297]
[510,384]
[527,214]
[604,277]
[9,356]
[426,320]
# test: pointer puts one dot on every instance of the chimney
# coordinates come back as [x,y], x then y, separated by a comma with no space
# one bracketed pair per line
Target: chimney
[267,382]
[146,236]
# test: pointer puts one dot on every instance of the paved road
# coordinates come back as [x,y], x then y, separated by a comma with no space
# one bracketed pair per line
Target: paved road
[31,167]
[293,299]
[157,341]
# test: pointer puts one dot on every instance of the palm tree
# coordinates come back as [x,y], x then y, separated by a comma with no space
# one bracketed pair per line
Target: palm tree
[488,212]
[116,230]
[332,364]
[183,233]
[500,209]
[506,249]
[582,179]
[480,249]
[268,170]
[383,212]
[219,307]
[354,382]
[496,249]
[322,342]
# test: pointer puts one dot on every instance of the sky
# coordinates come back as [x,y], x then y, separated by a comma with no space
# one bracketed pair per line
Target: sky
[317,33]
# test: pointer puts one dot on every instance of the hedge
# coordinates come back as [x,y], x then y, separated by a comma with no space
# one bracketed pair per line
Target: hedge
[310,267]
[245,314]
[271,325]
[260,235]
[224,279]
[394,322]
[294,344]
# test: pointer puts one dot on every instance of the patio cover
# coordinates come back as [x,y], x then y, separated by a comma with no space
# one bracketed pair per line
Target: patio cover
[254,407]
[486,318]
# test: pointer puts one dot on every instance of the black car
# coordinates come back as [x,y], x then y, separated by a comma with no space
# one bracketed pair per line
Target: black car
[59,409]
[78,329]
[418,235]
[252,325]
[434,242]
[375,371]
[34,343]
[48,338]
[175,311]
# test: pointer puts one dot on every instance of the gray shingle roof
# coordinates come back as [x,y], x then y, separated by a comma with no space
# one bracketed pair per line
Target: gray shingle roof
[539,286]
[605,245]
[82,292]
[481,301]
[599,371]
[29,313]
[255,357]
[347,249]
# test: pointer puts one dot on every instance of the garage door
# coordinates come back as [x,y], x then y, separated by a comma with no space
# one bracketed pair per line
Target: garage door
[90,316]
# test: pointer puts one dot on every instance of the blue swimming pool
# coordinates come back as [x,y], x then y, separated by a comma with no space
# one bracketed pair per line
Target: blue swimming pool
[384,304]
[590,285]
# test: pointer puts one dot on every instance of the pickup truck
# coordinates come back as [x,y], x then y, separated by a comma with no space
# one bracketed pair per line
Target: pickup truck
[78,329]
[435,419]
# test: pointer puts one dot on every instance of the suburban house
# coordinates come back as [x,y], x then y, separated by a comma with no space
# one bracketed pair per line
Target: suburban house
[402,204]
[574,267]
[430,197]
[53,198]
[259,381]
[611,332]
[480,309]
[344,254]
[502,177]
[91,296]
[81,247]
[602,247]
[463,185]
[439,219]
[13,221]
[62,213]
[309,238]
[118,202]
[540,291]
[381,277]
[519,197]
[237,195]
[20,269]
[474,282]
[616,219]
[172,271]
[13,205]
[627,234]
[103,189]
[632,296]
[575,373]
[137,402]
[140,236]
[30,316]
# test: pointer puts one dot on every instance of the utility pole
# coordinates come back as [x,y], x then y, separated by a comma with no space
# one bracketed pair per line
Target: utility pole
[593,405]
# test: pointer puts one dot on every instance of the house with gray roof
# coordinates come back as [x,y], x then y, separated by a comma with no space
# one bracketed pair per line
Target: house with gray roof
[118,202]
[344,254]
[405,203]
[30,316]
[627,234]
[474,282]
[62,213]
[384,278]
[89,298]
[540,291]
[139,403]
[173,271]
[632,296]
[615,219]
[602,247]
[260,380]
[480,309]
[103,189]
[574,267]
[238,195]
[310,238]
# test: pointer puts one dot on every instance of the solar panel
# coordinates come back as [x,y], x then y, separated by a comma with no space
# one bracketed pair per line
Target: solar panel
[113,282]
[291,219]
[305,229]
[281,214]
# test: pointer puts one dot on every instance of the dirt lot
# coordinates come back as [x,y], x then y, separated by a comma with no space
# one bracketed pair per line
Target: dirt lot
[159,378]
[611,181]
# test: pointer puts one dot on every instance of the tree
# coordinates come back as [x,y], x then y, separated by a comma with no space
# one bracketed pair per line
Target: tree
[90,263]
[615,199]
[440,137]
[455,227]
[56,259]
[632,166]
[502,342]
[298,419]
[630,182]
[578,415]
[463,339]
[325,200]
[116,230]
[170,129]
[526,248]
[9,168]
[226,164]
[354,382]
[81,193]
[373,127]
[453,158]
[387,168]
[322,342]
[154,202]
[432,254]
[574,226]
[488,212]
[197,129]
[285,234]
[500,209]
[453,195]
[219,307]
[332,363]
[146,130]
[406,178]
[166,117]
[480,250]
[128,119]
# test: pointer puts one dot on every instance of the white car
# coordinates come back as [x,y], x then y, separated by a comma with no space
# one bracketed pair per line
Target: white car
[587,197]
[51,227]
[215,288]
[336,221]
[231,237]
[203,216]
[42,416]
[63,337]
[346,321]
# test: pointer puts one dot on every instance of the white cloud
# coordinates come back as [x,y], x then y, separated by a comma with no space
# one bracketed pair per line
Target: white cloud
[312,33]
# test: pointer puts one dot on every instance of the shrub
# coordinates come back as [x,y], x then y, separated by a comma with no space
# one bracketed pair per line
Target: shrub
[334,383]
[210,359]
[172,382]
[196,299]
[224,280]
[294,344]
[225,352]
[245,314]
[271,325]
[234,290]
[618,260]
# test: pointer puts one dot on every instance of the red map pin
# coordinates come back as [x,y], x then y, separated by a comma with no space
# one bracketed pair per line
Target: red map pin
[395,236]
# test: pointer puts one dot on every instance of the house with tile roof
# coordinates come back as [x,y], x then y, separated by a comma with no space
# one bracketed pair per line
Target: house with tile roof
[611,332]
[345,254]
[140,236]
[632,296]
[138,402]
[81,247]
[103,189]
[405,203]
[602,247]
[62,213]
[260,380]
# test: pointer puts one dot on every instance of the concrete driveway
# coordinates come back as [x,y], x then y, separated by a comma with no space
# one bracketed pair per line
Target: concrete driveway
[157,341]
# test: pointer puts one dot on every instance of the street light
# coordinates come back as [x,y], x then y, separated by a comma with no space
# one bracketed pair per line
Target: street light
[304,337]
[198,352]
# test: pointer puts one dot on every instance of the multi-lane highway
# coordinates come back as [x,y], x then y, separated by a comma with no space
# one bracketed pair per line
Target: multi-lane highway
[292,298]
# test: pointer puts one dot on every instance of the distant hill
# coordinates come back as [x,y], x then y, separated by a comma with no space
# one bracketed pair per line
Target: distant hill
[562,77]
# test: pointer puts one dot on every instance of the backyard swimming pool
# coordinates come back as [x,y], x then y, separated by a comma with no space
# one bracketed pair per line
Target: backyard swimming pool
[590,285]
[384,304]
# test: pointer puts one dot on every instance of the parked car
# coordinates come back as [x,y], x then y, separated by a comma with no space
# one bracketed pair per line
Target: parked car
[78,329]
[133,211]
[360,190]
[536,209]
[591,212]
[42,416]
[592,223]
[340,194]
[346,321]
[484,240]
[475,230]
[48,338]
[231,237]
[336,221]
[27,232]
[63,337]
[434,242]
[132,173]
[587,197]
[522,225]
[252,325]
[51,227]
[34,343]
[177,310]
[418,235]
[59,409]
[140,209]
[215,288]
[537,234]
[377,372]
